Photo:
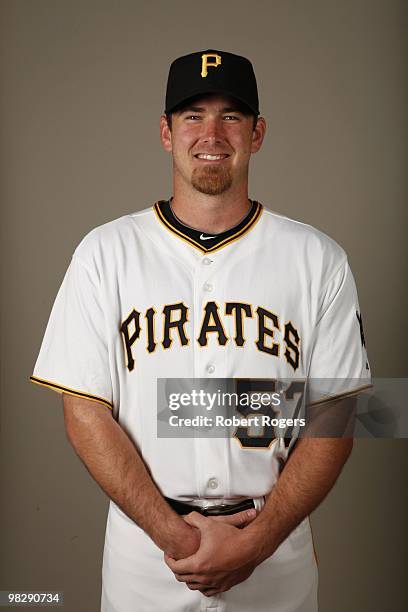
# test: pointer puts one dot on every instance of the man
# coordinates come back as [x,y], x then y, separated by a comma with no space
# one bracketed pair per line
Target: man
[207,284]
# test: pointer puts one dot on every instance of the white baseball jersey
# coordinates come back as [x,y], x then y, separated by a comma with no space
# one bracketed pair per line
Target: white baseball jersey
[146,297]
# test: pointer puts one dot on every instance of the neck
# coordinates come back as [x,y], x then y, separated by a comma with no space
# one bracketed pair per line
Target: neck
[210,214]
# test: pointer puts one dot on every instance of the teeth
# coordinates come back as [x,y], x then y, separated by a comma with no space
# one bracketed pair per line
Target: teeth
[210,157]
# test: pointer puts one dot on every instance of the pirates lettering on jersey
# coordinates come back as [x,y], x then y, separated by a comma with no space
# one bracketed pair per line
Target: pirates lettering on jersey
[129,336]
[292,341]
[151,336]
[265,331]
[212,323]
[239,311]
[171,323]
[270,337]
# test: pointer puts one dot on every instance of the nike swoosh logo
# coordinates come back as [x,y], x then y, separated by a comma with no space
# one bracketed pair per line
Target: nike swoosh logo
[206,237]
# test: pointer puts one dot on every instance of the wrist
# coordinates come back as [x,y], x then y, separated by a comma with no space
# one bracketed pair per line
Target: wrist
[258,542]
[176,536]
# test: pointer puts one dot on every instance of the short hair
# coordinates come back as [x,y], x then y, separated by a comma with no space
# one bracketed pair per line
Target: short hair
[240,106]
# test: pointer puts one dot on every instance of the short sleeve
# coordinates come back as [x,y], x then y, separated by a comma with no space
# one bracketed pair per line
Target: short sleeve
[338,349]
[74,355]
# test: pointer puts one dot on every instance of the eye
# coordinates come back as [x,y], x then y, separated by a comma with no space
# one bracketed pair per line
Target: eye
[192,117]
[231,117]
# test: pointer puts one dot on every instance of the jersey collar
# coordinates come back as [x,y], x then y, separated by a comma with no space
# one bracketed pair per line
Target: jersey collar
[204,242]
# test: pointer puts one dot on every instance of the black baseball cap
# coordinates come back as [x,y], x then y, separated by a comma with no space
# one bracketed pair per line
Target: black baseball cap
[211,71]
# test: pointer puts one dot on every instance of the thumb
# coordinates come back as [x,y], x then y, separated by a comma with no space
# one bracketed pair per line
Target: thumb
[239,519]
[195,519]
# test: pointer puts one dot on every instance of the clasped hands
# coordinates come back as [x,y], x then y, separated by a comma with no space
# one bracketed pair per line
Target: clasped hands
[225,556]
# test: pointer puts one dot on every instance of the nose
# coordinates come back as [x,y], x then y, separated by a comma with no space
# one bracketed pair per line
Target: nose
[212,130]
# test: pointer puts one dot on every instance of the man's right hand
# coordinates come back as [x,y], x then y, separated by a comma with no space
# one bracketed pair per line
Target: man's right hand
[187,543]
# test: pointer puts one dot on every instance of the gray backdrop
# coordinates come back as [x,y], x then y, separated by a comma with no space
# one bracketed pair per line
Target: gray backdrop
[82,90]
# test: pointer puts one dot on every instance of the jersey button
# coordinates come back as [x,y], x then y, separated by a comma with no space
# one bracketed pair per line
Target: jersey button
[207,261]
[210,368]
[208,287]
[212,483]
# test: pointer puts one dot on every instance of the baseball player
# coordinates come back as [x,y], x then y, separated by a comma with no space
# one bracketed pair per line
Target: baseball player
[207,284]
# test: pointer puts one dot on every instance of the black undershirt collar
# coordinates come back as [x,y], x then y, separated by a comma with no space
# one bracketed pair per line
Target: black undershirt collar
[203,241]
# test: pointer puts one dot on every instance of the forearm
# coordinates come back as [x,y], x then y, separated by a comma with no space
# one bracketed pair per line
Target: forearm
[310,473]
[113,461]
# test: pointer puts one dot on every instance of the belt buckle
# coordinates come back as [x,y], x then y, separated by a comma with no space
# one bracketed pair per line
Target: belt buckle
[215,510]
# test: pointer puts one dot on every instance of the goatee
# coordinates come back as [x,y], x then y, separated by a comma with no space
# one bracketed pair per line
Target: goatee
[211,180]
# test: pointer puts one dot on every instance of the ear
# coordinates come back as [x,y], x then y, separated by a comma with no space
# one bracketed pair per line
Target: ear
[258,135]
[165,134]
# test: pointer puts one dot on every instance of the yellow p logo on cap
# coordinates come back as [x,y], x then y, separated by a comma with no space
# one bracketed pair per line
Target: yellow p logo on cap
[206,63]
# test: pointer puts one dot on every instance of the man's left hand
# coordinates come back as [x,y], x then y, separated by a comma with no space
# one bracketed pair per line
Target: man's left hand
[223,559]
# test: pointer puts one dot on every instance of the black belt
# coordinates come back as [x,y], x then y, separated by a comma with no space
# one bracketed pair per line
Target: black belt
[221,509]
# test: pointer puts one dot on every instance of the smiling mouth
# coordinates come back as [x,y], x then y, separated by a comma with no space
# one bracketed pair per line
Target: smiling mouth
[209,157]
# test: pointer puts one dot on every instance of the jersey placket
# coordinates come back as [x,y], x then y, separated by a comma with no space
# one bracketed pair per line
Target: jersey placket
[209,362]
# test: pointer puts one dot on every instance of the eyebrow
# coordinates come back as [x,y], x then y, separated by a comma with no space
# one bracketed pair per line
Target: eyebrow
[200,109]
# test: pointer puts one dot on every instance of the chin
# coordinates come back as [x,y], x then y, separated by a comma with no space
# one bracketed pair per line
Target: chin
[212,181]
